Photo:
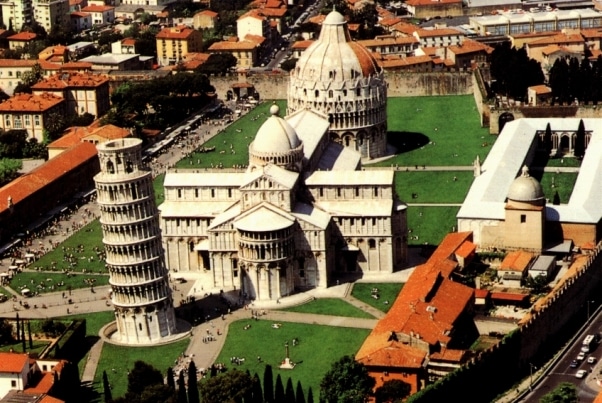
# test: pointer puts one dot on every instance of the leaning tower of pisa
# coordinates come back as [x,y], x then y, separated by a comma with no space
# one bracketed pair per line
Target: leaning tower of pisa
[129,217]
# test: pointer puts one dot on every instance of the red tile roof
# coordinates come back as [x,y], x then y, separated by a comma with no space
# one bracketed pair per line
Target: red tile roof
[208,13]
[470,46]
[30,103]
[180,32]
[75,135]
[390,353]
[481,293]
[53,169]
[22,36]
[508,296]
[516,261]
[13,362]
[71,80]
[93,8]
[43,386]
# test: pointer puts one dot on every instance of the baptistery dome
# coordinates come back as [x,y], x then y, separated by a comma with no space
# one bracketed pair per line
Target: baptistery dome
[340,78]
[525,188]
[276,142]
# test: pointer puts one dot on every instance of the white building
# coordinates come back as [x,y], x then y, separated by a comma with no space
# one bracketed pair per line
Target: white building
[16,13]
[341,79]
[49,13]
[100,15]
[300,214]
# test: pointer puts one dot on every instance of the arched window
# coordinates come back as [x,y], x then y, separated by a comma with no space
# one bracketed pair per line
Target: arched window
[371,244]
[330,94]
[110,167]
[317,92]
[129,167]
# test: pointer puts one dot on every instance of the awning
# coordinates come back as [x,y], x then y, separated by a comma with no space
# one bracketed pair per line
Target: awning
[25,291]
[4,274]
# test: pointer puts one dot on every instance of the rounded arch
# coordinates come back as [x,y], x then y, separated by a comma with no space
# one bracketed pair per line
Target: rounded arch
[503,119]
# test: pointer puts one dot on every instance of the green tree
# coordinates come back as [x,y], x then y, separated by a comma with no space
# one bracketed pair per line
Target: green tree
[559,81]
[278,390]
[54,124]
[579,147]
[106,387]
[268,384]
[547,139]
[6,332]
[289,392]
[171,381]
[299,396]
[34,76]
[9,170]
[556,199]
[146,18]
[193,389]
[393,391]
[289,64]
[257,392]
[566,392]
[182,396]
[142,376]
[228,387]
[538,284]
[310,395]
[70,383]
[157,393]
[217,63]
[12,143]
[346,382]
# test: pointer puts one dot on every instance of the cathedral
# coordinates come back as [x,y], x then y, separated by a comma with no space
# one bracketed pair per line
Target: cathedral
[304,211]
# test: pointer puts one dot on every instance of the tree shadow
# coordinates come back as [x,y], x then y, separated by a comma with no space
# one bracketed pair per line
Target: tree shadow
[89,394]
[407,141]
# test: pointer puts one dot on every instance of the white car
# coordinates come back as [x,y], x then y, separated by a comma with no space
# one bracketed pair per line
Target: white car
[581,357]
[591,360]
[581,374]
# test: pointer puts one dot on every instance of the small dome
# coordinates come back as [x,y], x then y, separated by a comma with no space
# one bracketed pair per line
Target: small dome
[276,135]
[333,18]
[525,188]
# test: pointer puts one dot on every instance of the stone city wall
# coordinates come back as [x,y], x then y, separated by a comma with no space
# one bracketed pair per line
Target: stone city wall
[274,85]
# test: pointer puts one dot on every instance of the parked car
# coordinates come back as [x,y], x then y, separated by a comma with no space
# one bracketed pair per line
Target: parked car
[574,364]
[591,360]
[581,356]
[581,374]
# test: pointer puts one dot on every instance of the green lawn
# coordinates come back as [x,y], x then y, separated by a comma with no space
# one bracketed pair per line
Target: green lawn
[118,360]
[319,346]
[87,258]
[330,306]
[426,186]
[432,226]
[238,135]
[94,321]
[386,292]
[436,131]
[17,346]
[158,189]
[31,280]
[563,184]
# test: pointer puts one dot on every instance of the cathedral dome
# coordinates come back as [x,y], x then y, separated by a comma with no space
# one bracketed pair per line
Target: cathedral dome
[276,135]
[334,56]
[525,188]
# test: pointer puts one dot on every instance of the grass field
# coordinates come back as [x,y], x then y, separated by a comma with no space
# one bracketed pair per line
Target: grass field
[31,280]
[427,186]
[318,348]
[386,292]
[330,306]
[563,184]
[430,224]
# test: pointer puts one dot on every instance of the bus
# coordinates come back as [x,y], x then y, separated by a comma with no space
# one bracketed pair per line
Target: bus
[587,343]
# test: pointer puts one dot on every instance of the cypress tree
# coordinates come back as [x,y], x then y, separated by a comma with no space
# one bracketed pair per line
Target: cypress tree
[181,398]
[18,328]
[310,396]
[299,396]
[23,336]
[579,147]
[108,396]
[171,381]
[289,393]
[268,384]
[547,139]
[193,389]
[257,392]
[29,332]
[556,200]
[279,390]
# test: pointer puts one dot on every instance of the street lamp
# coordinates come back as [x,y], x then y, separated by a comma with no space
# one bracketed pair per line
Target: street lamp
[531,367]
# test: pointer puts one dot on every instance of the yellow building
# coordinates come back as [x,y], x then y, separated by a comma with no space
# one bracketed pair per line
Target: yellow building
[49,13]
[176,42]
[246,52]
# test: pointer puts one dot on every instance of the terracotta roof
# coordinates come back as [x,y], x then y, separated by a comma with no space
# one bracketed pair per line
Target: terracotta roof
[404,61]
[389,40]
[75,135]
[551,49]
[79,14]
[470,46]
[481,293]
[180,32]
[558,39]
[254,13]
[93,8]
[30,103]
[44,385]
[516,261]
[229,46]
[273,12]
[22,36]
[128,41]
[208,13]
[508,296]
[256,39]
[17,63]
[467,249]
[50,399]
[591,33]
[541,89]
[380,351]
[71,80]
[450,355]
[302,44]
[13,362]
[387,22]
[53,169]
